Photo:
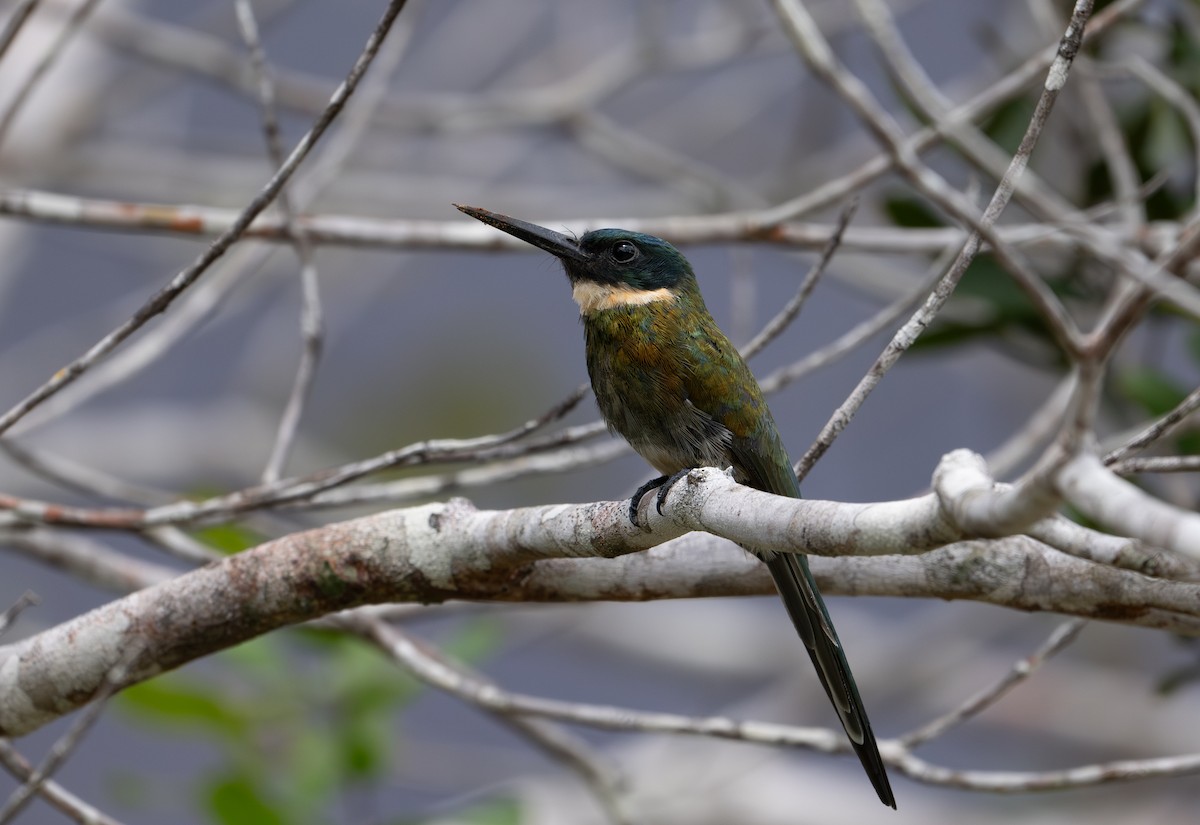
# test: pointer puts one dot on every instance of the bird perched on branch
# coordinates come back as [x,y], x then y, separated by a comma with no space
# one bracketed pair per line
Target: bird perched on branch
[668,380]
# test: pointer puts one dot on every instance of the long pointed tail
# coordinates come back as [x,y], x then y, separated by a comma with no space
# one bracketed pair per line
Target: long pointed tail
[804,605]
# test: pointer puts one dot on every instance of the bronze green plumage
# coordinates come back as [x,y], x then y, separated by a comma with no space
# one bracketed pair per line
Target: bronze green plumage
[668,380]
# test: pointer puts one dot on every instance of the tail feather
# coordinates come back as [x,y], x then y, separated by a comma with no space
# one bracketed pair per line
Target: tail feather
[808,614]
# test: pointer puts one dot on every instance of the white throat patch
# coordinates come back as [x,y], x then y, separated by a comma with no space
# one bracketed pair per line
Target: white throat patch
[593,297]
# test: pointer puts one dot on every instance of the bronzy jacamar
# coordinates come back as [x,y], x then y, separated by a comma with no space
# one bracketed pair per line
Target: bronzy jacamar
[668,380]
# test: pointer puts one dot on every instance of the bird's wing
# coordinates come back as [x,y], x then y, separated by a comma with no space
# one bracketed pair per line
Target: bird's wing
[807,610]
[726,390]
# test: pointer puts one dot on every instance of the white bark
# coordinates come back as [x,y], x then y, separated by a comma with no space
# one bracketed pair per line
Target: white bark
[445,551]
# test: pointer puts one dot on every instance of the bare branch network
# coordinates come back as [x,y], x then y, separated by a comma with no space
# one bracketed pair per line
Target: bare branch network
[1129,552]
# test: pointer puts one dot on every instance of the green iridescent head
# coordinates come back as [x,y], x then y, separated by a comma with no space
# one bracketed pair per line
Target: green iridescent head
[618,256]
[607,257]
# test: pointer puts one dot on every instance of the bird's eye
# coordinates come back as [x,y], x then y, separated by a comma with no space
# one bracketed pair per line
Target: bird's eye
[623,252]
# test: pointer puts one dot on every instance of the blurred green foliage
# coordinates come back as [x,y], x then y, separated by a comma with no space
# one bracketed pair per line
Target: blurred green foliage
[305,718]
[302,719]
[988,307]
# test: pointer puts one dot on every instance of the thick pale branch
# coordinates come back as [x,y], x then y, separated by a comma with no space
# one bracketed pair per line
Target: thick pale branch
[980,506]
[1129,554]
[444,551]
[709,500]
[422,554]
[1017,572]
[1127,509]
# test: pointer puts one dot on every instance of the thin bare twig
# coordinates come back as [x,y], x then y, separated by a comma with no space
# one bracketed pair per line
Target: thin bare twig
[54,794]
[10,614]
[1160,429]
[164,297]
[964,135]
[1084,776]
[363,231]
[435,668]
[87,560]
[311,316]
[285,491]
[1122,170]
[1062,636]
[16,20]
[1171,91]
[860,333]
[1156,464]
[565,459]
[808,39]
[1003,89]
[789,312]
[198,303]
[1036,431]
[49,57]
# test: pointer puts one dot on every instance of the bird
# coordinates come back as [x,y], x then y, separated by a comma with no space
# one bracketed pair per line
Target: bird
[669,381]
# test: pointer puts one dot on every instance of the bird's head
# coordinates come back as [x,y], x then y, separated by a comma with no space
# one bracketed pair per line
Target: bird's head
[607,267]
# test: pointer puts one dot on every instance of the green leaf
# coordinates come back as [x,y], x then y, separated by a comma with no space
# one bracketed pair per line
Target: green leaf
[1156,393]
[1177,679]
[1151,128]
[1149,388]
[312,769]
[503,811]
[1193,343]
[266,657]
[475,640]
[178,700]
[1188,444]
[362,679]
[228,538]
[1184,53]
[129,789]
[234,800]
[989,305]
[911,212]
[366,746]
[1167,144]
[1007,124]
[987,281]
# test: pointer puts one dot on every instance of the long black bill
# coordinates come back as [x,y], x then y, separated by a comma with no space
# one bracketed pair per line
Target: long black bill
[541,237]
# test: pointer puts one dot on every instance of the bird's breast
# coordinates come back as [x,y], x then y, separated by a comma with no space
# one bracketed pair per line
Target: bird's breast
[639,363]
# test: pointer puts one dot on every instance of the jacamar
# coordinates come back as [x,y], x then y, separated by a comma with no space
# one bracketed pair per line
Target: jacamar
[668,380]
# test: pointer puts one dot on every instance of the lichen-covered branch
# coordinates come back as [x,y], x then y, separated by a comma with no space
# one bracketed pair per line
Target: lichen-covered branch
[561,552]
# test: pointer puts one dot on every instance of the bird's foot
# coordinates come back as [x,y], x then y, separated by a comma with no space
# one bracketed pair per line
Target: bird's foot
[637,497]
[665,487]
[663,484]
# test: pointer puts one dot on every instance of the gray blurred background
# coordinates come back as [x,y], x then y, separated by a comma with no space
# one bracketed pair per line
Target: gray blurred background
[563,113]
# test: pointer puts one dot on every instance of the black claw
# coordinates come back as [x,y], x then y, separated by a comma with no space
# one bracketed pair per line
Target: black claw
[665,487]
[637,498]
